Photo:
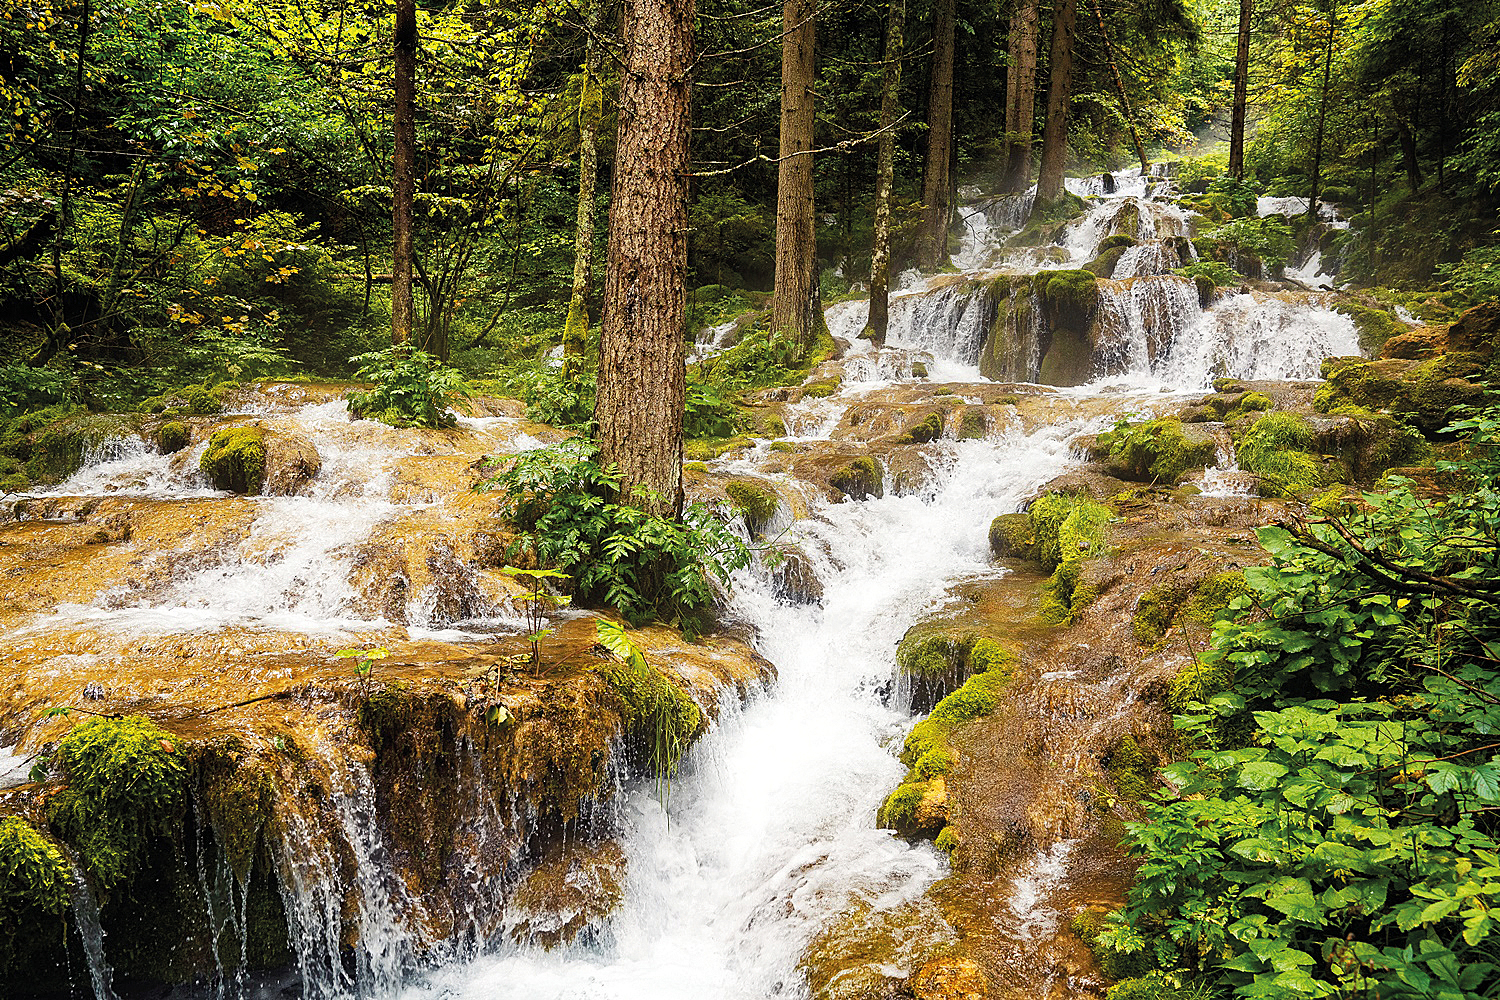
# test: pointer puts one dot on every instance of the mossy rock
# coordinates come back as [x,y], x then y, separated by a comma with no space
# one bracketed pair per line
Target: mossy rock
[861,479]
[928,429]
[708,449]
[918,369]
[933,662]
[1069,359]
[1011,536]
[13,477]
[1157,451]
[822,388]
[1064,527]
[172,437]
[1132,768]
[54,442]
[755,503]
[189,401]
[1277,448]
[1423,393]
[1103,266]
[1155,610]
[1196,683]
[1070,298]
[1118,241]
[1368,444]
[974,423]
[1376,326]
[235,460]
[1250,402]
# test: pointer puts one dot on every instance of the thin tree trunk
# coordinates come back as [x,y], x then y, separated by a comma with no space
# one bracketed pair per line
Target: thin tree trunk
[1409,154]
[1241,94]
[1114,69]
[590,106]
[1317,167]
[65,209]
[890,97]
[642,386]
[404,172]
[796,290]
[1020,94]
[1049,185]
[937,185]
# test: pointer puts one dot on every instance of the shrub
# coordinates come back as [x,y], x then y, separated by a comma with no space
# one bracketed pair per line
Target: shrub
[411,388]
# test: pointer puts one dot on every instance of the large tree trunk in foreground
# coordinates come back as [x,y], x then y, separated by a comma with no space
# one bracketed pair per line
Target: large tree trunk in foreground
[642,384]
[1241,94]
[796,299]
[1020,94]
[880,259]
[937,180]
[590,100]
[404,171]
[1049,185]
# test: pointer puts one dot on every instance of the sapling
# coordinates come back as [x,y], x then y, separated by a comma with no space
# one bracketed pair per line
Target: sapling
[536,602]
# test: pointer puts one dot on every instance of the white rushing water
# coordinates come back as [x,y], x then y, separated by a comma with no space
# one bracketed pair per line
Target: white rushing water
[769,832]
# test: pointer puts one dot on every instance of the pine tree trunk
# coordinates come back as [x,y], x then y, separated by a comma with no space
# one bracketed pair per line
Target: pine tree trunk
[796,290]
[404,171]
[1049,184]
[1241,94]
[1317,165]
[642,386]
[1114,70]
[590,101]
[890,96]
[937,183]
[1020,94]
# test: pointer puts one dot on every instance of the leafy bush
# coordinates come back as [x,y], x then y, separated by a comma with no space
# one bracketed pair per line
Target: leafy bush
[1339,839]
[411,388]
[650,568]
[1476,275]
[23,388]
[551,396]
[711,412]
[1269,238]
[1238,198]
[1219,273]
[761,359]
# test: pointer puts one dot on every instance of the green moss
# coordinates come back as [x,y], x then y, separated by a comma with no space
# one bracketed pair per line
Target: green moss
[1066,527]
[929,429]
[661,720]
[989,654]
[918,369]
[935,762]
[1132,768]
[1250,402]
[1011,536]
[770,425]
[33,872]
[786,447]
[973,423]
[1155,451]
[1155,611]
[190,400]
[978,697]
[1210,599]
[1120,241]
[235,460]
[13,477]
[125,788]
[1375,326]
[694,466]
[1276,449]
[861,479]
[1069,297]
[1103,266]
[1197,682]
[172,437]
[933,662]
[1422,394]
[899,810]
[756,503]
[708,449]
[237,796]
[822,388]
[946,840]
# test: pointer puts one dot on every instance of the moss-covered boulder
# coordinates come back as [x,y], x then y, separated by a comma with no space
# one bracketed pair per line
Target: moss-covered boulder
[1071,298]
[932,661]
[974,423]
[929,428]
[188,401]
[1422,393]
[235,460]
[860,479]
[1376,326]
[34,895]
[1157,451]
[1011,536]
[1069,359]
[1278,449]
[49,445]
[822,388]
[708,449]
[756,503]
[1367,444]
[171,437]
[1011,342]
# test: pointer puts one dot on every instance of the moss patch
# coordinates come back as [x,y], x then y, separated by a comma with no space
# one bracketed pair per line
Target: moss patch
[190,400]
[1276,449]
[126,780]
[235,460]
[861,479]
[1157,451]
[172,437]
[822,388]
[930,428]
[756,503]
[933,662]
[708,449]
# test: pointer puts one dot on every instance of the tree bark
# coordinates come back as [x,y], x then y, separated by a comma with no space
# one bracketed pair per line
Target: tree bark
[1049,184]
[404,171]
[937,183]
[1317,165]
[1241,94]
[1020,94]
[796,289]
[1114,70]
[890,97]
[590,106]
[1409,155]
[642,387]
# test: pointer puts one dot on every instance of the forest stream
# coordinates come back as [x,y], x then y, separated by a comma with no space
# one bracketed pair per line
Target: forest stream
[449,827]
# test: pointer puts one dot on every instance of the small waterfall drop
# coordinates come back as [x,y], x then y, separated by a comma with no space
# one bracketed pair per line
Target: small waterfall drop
[90,934]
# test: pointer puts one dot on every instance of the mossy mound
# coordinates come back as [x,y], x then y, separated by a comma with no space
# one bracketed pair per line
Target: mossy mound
[973,424]
[1154,612]
[1157,451]
[822,388]
[235,460]
[708,449]
[1103,266]
[172,437]
[34,895]
[126,787]
[1376,326]
[929,428]
[1054,528]
[49,445]
[861,479]
[755,503]
[1277,449]
[1196,683]
[933,662]
[1011,536]
[660,719]
[1422,393]
[189,401]
[1070,298]
[1369,444]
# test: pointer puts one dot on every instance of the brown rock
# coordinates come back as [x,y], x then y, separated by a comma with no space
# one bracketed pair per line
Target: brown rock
[950,978]
[1417,345]
[291,463]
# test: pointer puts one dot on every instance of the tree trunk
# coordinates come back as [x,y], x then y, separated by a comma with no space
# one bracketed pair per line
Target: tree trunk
[404,171]
[590,106]
[60,329]
[1317,165]
[642,385]
[890,97]
[1241,94]
[1049,185]
[1114,70]
[1020,94]
[1409,155]
[796,291]
[937,184]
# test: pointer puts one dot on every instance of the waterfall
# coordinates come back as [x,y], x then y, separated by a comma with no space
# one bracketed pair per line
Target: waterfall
[90,934]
